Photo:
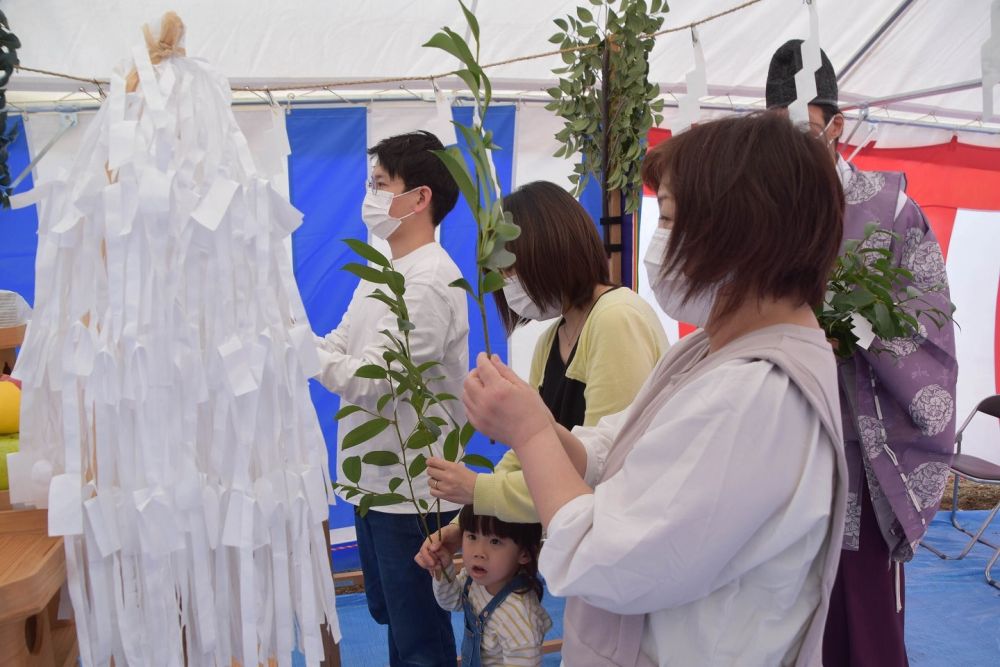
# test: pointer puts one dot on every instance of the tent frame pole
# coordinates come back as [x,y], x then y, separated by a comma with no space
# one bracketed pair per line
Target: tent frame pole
[916,94]
[875,37]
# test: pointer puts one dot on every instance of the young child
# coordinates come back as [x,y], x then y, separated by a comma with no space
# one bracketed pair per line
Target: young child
[499,591]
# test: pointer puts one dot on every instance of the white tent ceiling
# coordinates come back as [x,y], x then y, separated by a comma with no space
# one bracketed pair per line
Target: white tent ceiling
[931,44]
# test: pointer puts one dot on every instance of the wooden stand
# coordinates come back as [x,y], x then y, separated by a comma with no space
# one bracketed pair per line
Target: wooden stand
[330,648]
[32,571]
[613,237]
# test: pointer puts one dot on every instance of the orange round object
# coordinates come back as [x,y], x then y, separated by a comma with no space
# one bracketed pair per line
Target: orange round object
[10,407]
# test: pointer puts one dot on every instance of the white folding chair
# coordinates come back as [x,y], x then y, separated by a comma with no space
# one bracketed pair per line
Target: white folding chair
[980,471]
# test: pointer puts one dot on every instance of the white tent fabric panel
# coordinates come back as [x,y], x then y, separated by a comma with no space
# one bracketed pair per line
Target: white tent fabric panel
[266,43]
[933,44]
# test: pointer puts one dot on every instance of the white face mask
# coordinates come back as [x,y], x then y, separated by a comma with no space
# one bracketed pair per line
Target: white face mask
[375,212]
[519,301]
[670,289]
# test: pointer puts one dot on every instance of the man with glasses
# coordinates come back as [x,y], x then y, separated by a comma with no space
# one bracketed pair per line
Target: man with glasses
[897,400]
[408,196]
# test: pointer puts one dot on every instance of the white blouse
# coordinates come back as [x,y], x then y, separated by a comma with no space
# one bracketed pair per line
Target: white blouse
[715,526]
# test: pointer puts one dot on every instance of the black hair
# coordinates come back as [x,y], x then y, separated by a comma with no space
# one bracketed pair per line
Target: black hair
[829,111]
[409,158]
[527,536]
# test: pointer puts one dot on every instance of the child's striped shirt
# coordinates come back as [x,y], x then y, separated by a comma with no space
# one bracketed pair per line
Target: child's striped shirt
[513,634]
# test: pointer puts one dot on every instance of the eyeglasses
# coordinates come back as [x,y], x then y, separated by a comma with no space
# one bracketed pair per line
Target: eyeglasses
[371,185]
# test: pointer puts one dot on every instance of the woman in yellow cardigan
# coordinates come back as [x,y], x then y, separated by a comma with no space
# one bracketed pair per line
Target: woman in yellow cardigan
[588,364]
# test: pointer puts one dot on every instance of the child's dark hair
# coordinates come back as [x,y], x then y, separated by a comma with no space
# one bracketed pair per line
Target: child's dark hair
[527,536]
[409,158]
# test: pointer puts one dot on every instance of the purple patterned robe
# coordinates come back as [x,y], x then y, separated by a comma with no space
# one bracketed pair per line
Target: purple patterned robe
[898,397]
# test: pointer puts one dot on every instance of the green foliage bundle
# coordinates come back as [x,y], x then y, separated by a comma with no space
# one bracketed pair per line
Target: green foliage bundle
[409,388]
[625,35]
[480,190]
[865,283]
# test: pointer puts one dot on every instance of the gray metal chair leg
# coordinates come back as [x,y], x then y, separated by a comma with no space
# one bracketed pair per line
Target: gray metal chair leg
[989,567]
[975,537]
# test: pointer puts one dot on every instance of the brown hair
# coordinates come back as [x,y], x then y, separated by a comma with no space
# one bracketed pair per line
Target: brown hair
[560,258]
[759,209]
[527,536]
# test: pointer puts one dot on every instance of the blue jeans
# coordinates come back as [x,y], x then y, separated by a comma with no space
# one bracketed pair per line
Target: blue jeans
[399,591]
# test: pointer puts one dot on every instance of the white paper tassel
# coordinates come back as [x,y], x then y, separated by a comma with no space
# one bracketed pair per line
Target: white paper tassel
[689,106]
[805,78]
[165,387]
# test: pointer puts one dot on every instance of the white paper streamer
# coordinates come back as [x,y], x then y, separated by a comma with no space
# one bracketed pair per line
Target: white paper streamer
[862,328]
[805,78]
[443,126]
[166,414]
[689,106]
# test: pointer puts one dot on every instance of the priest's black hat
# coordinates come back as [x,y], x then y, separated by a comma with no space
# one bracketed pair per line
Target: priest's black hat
[785,63]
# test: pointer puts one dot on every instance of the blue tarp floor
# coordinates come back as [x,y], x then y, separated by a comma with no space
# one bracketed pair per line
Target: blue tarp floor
[952,614]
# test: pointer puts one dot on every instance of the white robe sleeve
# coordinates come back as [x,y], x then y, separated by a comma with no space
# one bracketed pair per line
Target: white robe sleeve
[719,460]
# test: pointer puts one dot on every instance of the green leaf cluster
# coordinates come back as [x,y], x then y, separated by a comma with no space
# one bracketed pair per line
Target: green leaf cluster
[867,281]
[479,187]
[625,34]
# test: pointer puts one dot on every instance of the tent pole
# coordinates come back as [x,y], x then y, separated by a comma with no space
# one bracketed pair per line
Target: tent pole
[877,35]
[521,98]
[916,94]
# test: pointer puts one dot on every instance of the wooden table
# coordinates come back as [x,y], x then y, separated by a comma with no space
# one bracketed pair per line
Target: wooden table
[32,570]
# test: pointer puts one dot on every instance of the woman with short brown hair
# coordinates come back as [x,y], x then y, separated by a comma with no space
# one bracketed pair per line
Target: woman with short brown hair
[588,364]
[702,525]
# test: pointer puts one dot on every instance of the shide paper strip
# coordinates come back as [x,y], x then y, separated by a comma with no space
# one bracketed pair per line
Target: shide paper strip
[167,423]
